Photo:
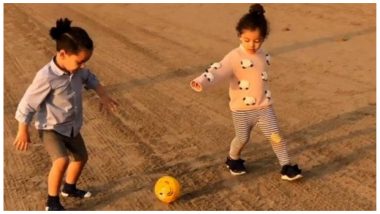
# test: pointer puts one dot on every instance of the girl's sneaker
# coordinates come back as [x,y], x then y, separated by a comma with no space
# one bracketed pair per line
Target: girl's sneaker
[236,166]
[290,173]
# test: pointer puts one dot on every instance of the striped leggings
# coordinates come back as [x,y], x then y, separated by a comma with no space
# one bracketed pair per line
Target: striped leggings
[266,119]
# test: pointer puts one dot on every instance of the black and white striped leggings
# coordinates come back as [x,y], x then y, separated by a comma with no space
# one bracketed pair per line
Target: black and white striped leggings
[266,120]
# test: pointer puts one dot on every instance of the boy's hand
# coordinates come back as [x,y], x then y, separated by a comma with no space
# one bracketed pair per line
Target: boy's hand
[105,101]
[108,103]
[22,140]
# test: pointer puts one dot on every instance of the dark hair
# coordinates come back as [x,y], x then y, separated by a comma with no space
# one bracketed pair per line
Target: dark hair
[70,39]
[253,20]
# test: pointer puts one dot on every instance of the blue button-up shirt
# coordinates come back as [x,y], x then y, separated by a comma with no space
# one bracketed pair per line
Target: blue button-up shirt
[55,96]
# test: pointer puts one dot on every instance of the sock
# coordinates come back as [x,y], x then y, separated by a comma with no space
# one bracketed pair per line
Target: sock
[69,187]
[52,200]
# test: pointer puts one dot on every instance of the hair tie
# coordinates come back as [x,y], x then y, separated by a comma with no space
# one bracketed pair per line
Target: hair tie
[259,13]
[68,35]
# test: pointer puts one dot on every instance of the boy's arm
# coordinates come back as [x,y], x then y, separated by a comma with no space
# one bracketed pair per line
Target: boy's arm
[22,139]
[33,97]
[92,82]
[215,73]
[30,102]
[105,100]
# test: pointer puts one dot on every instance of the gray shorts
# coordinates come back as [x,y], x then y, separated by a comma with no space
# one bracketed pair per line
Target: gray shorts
[58,145]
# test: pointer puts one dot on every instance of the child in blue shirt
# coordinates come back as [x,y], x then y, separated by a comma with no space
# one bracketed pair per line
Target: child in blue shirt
[55,97]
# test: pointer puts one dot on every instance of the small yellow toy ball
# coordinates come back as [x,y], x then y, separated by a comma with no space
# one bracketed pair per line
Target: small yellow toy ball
[167,189]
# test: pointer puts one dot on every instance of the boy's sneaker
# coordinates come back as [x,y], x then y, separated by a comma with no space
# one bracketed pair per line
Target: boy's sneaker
[76,193]
[54,207]
[236,166]
[290,173]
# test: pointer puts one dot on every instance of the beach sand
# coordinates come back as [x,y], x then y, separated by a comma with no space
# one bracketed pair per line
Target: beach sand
[322,78]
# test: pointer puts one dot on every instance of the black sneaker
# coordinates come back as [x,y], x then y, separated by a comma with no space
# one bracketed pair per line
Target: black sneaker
[236,166]
[76,193]
[54,207]
[290,173]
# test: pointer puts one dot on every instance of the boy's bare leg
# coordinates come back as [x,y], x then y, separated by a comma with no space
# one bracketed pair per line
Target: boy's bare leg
[73,171]
[56,174]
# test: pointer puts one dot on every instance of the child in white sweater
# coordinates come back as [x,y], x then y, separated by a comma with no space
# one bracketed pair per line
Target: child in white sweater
[250,98]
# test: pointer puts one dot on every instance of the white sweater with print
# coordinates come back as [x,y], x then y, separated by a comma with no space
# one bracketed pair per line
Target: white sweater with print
[248,77]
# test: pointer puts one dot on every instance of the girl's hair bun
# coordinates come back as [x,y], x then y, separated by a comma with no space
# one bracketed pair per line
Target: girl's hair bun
[62,26]
[257,9]
[254,19]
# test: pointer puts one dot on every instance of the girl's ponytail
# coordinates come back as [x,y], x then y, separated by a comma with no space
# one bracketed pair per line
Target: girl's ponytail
[257,10]
[253,20]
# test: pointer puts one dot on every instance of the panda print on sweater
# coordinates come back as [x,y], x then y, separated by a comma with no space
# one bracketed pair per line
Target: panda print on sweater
[246,63]
[264,76]
[268,94]
[243,85]
[215,65]
[249,101]
[208,75]
[267,58]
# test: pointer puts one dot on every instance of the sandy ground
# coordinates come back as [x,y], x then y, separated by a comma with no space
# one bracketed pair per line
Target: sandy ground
[323,80]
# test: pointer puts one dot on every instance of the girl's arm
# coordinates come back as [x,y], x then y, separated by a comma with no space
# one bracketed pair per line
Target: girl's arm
[215,73]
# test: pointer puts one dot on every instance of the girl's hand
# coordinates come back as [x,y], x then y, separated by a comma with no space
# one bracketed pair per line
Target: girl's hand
[196,86]
[22,140]
[108,103]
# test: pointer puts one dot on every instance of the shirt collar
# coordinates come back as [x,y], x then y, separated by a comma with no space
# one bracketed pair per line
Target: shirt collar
[56,69]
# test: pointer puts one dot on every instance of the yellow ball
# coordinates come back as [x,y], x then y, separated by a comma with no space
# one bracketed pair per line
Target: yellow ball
[167,189]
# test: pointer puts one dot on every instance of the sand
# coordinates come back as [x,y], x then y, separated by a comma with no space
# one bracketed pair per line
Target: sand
[323,82]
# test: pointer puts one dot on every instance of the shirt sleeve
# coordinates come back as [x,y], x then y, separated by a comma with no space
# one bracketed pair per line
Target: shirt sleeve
[33,97]
[89,79]
[217,72]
